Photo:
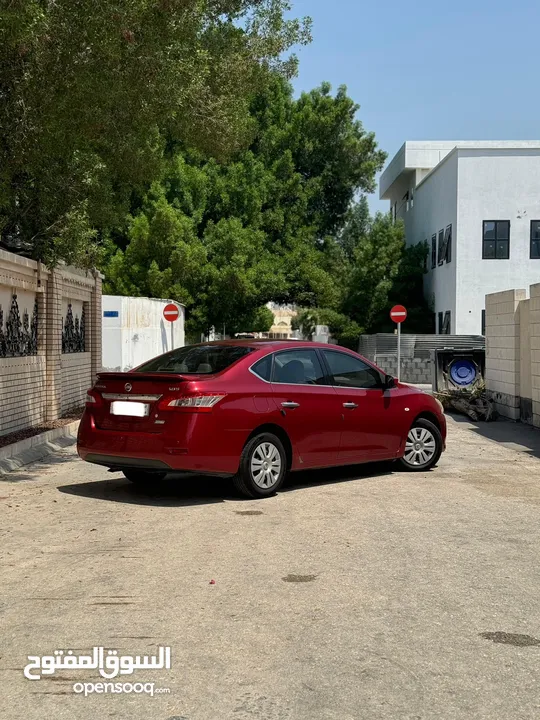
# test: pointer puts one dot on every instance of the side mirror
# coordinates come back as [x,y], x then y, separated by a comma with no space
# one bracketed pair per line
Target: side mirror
[389,382]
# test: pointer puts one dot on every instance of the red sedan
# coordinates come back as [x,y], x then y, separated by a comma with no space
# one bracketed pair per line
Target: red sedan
[255,410]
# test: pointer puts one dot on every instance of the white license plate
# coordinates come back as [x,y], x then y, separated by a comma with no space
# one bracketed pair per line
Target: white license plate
[132,409]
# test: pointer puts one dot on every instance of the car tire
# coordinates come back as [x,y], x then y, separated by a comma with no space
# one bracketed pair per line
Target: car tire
[263,467]
[423,447]
[144,477]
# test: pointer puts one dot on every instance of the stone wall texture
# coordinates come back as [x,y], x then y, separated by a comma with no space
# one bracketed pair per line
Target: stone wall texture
[513,353]
[48,356]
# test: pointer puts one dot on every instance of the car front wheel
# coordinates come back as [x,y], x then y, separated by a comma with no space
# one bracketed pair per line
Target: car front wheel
[423,447]
[263,467]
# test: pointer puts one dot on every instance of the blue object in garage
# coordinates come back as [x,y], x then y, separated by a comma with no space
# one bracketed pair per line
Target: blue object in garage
[110,313]
[463,372]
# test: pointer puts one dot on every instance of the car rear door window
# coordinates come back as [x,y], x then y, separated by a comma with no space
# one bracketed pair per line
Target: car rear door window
[263,368]
[298,367]
[351,372]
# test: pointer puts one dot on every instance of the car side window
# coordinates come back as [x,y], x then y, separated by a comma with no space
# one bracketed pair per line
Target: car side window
[298,367]
[263,368]
[351,372]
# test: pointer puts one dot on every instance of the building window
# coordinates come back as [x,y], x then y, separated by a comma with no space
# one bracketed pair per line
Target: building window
[535,239]
[445,245]
[483,322]
[445,322]
[496,240]
[441,243]
[433,252]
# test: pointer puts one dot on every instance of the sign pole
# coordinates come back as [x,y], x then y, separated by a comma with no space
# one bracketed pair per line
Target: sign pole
[398,351]
[171,313]
[398,314]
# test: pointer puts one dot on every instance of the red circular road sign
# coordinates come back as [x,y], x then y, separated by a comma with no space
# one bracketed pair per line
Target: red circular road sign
[171,312]
[398,314]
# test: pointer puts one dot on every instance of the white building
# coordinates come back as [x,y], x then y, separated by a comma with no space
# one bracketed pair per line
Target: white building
[135,330]
[477,204]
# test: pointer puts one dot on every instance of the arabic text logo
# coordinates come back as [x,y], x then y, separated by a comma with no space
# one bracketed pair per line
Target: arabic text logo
[110,665]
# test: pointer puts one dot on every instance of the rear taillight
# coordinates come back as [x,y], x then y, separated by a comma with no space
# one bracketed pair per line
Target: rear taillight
[93,398]
[202,402]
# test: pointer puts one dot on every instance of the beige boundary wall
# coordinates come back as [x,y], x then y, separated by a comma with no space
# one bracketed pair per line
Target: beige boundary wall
[513,353]
[50,340]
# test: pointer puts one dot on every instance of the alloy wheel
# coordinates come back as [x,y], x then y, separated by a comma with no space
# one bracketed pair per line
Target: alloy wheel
[420,446]
[265,465]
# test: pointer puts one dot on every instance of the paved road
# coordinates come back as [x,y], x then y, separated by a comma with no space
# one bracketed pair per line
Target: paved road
[365,594]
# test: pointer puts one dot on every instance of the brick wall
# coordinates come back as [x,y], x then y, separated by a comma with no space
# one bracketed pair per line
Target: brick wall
[38,385]
[513,353]
[22,392]
[503,350]
[413,370]
[76,379]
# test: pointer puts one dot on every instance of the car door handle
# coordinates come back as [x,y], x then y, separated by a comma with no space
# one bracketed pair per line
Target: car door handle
[290,405]
[350,405]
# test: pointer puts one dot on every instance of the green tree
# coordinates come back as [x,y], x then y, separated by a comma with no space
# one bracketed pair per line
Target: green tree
[375,264]
[251,220]
[92,93]
[408,290]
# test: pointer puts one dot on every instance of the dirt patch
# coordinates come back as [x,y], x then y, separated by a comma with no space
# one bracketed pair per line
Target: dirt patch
[515,639]
[299,578]
[33,431]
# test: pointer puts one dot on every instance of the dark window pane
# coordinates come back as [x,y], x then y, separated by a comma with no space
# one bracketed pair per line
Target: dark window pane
[298,367]
[503,247]
[489,231]
[433,251]
[503,230]
[535,249]
[489,249]
[196,359]
[263,368]
[352,372]
[535,230]
[483,322]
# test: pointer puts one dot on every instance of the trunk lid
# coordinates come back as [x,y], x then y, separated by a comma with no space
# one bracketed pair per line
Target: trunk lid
[145,390]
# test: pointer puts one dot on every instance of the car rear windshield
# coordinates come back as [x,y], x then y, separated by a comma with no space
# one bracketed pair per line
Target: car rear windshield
[196,359]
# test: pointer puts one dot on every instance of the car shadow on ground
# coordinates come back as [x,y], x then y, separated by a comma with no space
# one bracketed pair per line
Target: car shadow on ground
[185,489]
[514,435]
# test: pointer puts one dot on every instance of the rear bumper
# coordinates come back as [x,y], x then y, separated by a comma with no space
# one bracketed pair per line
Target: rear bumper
[116,461]
[191,443]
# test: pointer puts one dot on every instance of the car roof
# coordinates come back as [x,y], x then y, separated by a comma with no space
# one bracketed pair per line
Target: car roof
[259,343]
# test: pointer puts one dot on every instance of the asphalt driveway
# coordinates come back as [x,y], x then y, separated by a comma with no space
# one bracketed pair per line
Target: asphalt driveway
[354,594]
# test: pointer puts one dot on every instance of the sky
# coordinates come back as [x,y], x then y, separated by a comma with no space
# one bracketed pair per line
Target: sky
[421,70]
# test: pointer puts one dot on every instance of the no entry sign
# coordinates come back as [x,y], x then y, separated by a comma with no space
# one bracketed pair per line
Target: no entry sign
[171,312]
[398,314]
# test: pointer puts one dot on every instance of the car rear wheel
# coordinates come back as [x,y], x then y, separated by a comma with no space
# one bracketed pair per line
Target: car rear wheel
[143,477]
[263,467]
[423,447]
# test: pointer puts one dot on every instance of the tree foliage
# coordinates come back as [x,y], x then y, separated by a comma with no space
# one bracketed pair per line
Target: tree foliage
[227,237]
[379,271]
[92,92]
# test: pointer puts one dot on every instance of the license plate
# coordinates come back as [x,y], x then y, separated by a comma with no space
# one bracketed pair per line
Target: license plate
[132,409]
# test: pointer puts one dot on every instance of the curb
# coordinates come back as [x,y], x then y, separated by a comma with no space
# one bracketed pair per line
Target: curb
[19,454]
